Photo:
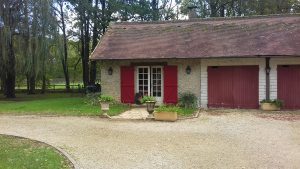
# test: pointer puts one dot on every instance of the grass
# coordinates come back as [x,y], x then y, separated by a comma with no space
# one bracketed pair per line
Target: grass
[55,104]
[24,153]
[181,111]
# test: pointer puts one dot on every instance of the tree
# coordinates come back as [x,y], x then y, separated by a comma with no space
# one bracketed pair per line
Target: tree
[64,60]
[10,16]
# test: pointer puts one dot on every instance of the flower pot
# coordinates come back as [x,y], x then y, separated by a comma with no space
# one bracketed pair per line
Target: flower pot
[104,106]
[269,107]
[165,116]
[150,106]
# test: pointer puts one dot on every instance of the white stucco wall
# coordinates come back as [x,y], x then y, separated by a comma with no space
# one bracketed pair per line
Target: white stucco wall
[231,62]
[110,84]
[196,82]
[273,73]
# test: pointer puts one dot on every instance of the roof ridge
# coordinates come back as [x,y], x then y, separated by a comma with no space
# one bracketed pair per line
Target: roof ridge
[208,19]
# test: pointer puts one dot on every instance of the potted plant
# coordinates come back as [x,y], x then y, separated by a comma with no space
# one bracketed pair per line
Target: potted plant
[105,101]
[166,113]
[271,105]
[150,102]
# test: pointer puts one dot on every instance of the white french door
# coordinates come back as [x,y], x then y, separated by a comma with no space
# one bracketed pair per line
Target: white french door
[150,81]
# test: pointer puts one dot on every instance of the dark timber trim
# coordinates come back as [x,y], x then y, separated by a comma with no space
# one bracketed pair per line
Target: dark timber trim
[268,78]
[148,63]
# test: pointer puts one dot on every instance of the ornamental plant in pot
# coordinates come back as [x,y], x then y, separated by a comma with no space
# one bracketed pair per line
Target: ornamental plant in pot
[271,105]
[150,102]
[166,113]
[105,101]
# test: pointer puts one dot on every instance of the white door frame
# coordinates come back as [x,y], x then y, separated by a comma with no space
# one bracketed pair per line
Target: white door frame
[150,82]
[158,99]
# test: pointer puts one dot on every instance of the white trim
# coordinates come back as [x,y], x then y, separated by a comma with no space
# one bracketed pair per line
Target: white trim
[160,100]
[150,86]
[274,62]
[137,78]
[231,62]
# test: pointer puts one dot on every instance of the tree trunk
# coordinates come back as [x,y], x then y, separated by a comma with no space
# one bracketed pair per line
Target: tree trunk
[93,64]
[44,84]
[10,79]
[222,10]
[155,13]
[65,59]
[213,9]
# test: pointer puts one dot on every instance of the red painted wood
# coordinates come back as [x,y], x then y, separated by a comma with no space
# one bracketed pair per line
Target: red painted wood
[220,87]
[245,87]
[170,85]
[127,84]
[233,86]
[288,86]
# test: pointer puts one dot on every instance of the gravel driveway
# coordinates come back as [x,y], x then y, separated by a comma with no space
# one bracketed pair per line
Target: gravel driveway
[233,140]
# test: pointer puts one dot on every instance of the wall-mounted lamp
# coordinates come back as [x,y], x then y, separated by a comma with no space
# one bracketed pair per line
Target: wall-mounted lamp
[110,71]
[268,70]
[188,70]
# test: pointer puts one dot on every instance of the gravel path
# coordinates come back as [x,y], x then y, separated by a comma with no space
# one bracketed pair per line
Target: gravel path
[133,114]
[224,141]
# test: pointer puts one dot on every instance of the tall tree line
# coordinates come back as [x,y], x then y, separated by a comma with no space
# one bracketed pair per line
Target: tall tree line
[227,8]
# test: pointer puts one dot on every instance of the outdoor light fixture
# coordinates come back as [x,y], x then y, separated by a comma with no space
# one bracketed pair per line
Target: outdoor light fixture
[268,69]
[110,71]
[188,70]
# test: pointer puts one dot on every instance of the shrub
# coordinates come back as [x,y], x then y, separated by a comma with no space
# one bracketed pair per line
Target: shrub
[165,108]
[148,98]
[175,109]
[277,102]
[92,99]
[105,98]
[188,100]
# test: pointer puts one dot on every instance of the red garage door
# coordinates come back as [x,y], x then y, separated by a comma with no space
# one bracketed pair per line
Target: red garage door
[289,86]
[233,86]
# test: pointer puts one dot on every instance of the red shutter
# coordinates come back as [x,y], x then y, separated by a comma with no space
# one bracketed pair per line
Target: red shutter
[170,85]
[127,84]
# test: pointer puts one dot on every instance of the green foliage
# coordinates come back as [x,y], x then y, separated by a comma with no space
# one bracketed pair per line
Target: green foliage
[92,99]
[188,100]
[277,102]
[148,98]
[176,109]
[104,98]
[212,8]
[24,153]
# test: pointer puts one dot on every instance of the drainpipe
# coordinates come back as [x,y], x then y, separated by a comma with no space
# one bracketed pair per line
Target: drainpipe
[268,69]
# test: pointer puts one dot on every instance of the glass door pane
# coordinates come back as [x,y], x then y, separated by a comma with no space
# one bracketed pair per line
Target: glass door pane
[156,81]
[143,80]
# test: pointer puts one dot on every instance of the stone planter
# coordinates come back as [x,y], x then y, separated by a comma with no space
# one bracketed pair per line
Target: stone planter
[150,106]
[165,116]
[104,106]
[269,107]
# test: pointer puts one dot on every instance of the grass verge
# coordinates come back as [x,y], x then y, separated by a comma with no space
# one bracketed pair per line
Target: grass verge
[24,153]
[55,104]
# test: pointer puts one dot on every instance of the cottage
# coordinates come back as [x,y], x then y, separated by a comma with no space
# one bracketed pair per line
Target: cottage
[225,62]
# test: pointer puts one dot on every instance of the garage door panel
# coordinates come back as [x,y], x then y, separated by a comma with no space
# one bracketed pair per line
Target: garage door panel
[289,86]
[245,87]
[233,86]
[220,93]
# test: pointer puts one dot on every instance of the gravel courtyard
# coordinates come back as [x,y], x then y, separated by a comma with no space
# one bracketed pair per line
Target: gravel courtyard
[234,140]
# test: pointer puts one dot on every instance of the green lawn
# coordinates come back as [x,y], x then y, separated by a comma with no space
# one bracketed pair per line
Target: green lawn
[54,104]
[23,153]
